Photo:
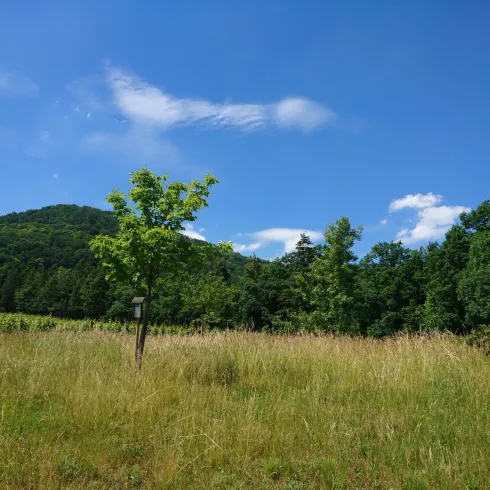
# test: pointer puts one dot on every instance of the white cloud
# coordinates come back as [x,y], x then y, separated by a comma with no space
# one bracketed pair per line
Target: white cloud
[384,222]
[192,233]
[416,201]
[301,113]
[431,220]
[432,224]
[289,237]
[16,84]
[237,247]
[144,103]
[55,176]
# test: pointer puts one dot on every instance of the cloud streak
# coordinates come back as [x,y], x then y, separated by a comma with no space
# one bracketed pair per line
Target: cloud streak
[134,144]
[16,84]
[146,104]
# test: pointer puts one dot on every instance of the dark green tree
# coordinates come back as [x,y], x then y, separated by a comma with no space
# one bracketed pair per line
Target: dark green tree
[443,308]
[478,219]
[252,303]
[380,289]
[474,283]
[333,279]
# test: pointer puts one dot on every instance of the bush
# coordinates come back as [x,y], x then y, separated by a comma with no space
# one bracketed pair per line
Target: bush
[389,323]
[480,337]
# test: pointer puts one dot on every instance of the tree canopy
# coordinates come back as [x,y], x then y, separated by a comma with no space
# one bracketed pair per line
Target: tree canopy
[47,267]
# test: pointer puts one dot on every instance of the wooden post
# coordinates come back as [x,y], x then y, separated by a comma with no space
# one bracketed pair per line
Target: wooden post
[137,340]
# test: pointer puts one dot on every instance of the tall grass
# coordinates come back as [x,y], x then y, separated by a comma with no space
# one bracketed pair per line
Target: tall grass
[238,410]
[19,322]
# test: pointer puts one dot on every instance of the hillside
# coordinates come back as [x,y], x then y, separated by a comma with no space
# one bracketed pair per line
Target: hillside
[54,236]
[46,262]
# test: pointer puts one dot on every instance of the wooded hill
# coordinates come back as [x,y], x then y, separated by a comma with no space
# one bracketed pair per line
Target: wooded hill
[46,266]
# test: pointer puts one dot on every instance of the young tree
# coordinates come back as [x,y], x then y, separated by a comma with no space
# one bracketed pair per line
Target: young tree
[149,244]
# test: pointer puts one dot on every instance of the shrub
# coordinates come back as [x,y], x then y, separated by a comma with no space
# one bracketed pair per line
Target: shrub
[480,337]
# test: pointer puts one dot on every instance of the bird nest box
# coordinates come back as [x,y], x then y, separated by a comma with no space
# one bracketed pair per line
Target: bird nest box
[137,303]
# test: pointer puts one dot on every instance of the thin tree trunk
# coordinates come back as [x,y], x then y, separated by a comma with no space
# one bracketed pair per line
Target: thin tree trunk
[144,329]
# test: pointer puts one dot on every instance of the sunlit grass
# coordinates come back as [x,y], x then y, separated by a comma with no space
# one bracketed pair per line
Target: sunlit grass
[237,410]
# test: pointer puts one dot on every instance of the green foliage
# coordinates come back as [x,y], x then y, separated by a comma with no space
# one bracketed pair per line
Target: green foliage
[443,309]
[148,243]
[474,283]
[478,219]
[480,337]
[25,323]
[253,296]
[333,279]
[47,267]
[209,300]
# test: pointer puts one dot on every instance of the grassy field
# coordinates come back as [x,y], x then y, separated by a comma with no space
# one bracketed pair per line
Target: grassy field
[239,410]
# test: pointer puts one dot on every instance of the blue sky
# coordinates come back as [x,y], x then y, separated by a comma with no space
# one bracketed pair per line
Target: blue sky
[305,111]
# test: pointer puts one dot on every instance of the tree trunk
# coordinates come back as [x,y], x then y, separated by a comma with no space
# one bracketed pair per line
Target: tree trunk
[144,329]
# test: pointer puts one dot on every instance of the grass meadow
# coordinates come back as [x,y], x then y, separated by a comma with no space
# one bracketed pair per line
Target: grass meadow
[241,410]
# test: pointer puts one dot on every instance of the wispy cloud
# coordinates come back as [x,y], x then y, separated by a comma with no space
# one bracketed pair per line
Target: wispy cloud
[135,144]
[16,84]
[147,104]
[238,247]
[432,220]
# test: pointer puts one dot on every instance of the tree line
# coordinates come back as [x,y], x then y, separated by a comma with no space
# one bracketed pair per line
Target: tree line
[47,267]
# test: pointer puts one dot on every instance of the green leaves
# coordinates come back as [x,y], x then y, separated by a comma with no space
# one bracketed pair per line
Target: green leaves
[148,243]
[474,284]
[478,219]
[333,275]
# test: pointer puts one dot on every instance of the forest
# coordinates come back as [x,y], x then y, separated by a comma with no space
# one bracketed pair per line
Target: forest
[47,267]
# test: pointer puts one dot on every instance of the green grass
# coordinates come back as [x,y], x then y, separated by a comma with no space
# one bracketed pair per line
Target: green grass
[19,322]
[237,410]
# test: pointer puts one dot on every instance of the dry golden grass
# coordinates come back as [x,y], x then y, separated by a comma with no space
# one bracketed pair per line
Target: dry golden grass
[238,410]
